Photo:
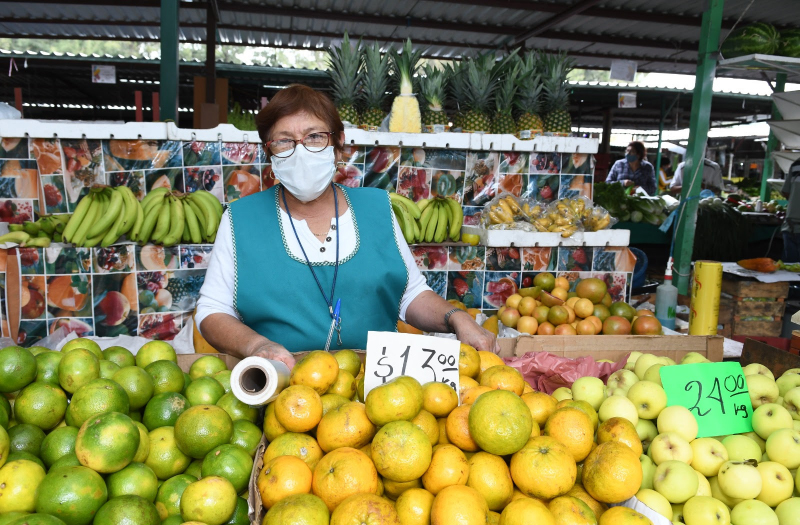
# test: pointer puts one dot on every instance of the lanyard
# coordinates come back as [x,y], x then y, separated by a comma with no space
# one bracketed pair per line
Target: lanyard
[329,302]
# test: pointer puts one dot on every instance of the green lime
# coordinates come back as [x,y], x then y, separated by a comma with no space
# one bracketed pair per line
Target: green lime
[128,510]
[17,368]
[137,479]
[10,517]
[201,429]
[168,500]
[204,391]
[135,415]
[107,443]
[144,443]
[72,494]
[155,351]
[37,519]
[195,468]
[77,368]
[5,443]
[137,383]
[47,367]
[97,397]
[240,516]
[173,520]
[187,380]
[85,343]
[14,456]
[246,435]
[205,366]
[167,376]
[36,350]
[165,458]
[70,460]
[122,356]
[41,404]
[224,379]
[108,369]
[26,438]
[57,444]
[236,409]
[163,410]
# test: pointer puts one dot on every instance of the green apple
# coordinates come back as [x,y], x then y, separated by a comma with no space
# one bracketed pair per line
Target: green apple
[765,457]
[791,402]
[616,392]
[676,481]
[618,406]
[703,510]
[670,446]
[623,379]
[762,443]
[678,419]
[562,393]
[769,418]
[787,382]
[739,479]
[653,373]
[783,446]
[788,512]
[667,361]
[643,363]
[717,493]
[762,390]
[741,448]
[589,389]
[677,513]
[648,471]
[753,512]
[791,371]
[709,455]
[693,357]
[796,424]
[777,484]
[631,362]
[647,432]
[756,368]
[655,501]
[703,487]
[649,398]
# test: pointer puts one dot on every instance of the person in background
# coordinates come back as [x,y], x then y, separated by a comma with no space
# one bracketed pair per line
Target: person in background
[712,177]
[791,225]
[634,170]
[663,180]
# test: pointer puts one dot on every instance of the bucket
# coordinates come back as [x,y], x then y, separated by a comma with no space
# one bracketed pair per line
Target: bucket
[640,270]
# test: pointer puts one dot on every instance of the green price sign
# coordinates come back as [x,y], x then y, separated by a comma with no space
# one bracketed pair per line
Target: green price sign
[715,393]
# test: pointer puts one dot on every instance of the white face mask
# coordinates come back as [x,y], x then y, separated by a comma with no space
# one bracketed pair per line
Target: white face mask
[305,175]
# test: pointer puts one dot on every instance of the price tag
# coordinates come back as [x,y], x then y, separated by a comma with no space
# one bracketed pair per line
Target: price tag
[715,393]
[422,357]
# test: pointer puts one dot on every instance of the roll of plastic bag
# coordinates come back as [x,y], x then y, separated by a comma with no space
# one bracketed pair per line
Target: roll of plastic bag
[257,381]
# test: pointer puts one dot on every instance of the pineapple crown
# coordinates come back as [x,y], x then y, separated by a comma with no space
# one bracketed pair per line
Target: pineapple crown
[344,69]
[405,65]
[556,89]
[529,82]
[508,87]
[433,86]
[376,76]
[455,80]
[482,77]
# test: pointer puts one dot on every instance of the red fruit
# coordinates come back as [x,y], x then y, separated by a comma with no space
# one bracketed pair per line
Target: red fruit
[28,256]
[35,306]
[527,282]
[546,193]
[460,286]
[51,195]
[579,256]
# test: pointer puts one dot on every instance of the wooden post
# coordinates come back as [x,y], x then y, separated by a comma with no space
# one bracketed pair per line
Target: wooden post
[18,98]
[156,108]
[137,95]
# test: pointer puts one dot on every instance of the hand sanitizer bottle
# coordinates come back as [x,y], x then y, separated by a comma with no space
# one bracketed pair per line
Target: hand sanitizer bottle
[667,300]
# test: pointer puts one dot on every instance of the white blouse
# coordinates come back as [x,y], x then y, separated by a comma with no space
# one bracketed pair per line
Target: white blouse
[216,295]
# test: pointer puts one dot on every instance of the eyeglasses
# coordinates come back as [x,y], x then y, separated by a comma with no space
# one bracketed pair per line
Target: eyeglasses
[313,142]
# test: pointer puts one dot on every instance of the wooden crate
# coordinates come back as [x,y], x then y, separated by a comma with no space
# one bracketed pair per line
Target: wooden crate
[772,304]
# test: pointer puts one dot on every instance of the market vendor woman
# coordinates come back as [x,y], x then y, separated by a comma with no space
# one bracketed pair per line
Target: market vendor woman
[284,257]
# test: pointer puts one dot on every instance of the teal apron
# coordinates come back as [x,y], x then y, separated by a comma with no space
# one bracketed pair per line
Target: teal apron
[276,295]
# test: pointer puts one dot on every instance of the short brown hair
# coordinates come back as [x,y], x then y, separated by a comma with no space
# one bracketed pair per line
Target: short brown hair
[295,99]
[638,147]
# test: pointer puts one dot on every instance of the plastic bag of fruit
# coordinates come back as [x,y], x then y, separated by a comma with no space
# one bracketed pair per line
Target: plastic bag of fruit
[565,216]
[598,218]
[505,213]
[546,372]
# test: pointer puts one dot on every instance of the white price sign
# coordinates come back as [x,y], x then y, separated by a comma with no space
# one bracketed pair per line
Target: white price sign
[422,357]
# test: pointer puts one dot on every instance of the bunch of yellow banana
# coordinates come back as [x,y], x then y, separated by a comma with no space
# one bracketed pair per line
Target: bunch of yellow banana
[564,217]
[172,217]
[597,219]
[429,220]
[103,216]
[506,210]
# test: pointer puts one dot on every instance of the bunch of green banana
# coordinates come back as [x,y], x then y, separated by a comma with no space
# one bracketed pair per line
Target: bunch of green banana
[441,218]
[172,217]
[47,226]
[407,212]
[25,239]
[103,216]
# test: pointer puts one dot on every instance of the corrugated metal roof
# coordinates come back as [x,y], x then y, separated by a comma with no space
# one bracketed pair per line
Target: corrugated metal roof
[661,35]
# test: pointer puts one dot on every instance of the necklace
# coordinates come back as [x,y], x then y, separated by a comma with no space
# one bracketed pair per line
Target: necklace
[329,302]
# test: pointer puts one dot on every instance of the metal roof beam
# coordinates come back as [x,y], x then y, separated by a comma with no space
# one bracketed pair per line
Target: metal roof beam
[573,10]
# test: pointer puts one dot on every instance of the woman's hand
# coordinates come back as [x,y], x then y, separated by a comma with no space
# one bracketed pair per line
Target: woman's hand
[275,352]
[471,333]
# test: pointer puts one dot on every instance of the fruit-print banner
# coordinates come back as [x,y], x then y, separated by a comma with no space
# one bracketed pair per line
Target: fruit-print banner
[149,291]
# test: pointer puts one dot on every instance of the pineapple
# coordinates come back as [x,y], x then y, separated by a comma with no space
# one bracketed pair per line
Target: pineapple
[529,100]
[344,69]
[479,87]
[376,83]
[405,116]
[504,101]
[455,74]
[433,86]
[556,94]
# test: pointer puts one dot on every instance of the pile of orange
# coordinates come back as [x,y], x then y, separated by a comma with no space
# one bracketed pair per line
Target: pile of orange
[495,452]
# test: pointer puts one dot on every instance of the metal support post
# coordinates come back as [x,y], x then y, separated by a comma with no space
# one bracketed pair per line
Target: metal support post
[211,59]
[169,59]
[772,141]
[660,135]
[698,135]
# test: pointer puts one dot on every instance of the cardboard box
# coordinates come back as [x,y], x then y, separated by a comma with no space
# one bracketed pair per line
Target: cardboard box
[614,347]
